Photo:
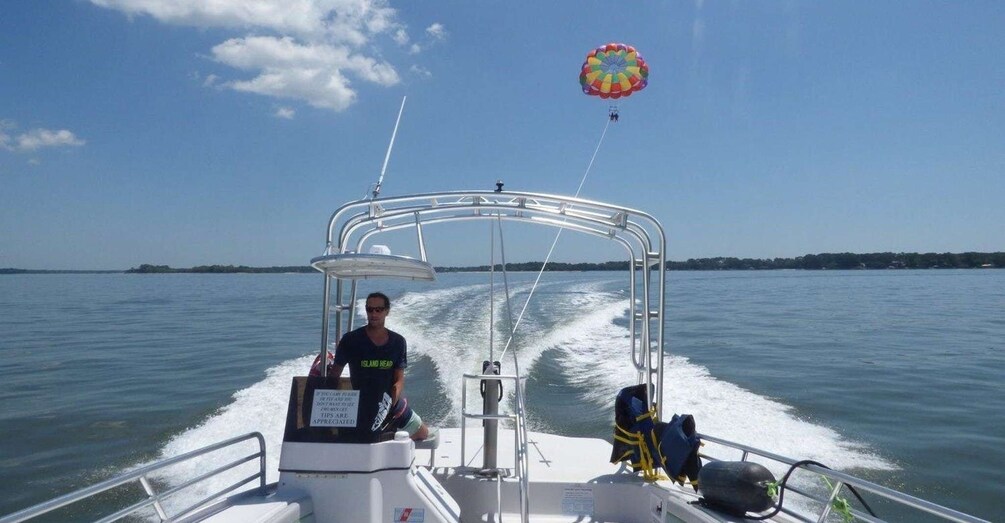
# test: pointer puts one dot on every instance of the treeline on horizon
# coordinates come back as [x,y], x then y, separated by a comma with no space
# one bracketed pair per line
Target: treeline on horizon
[850,261]
[147,268]
[823,261]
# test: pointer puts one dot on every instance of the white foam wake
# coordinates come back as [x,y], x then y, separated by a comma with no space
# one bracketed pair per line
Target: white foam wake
[457,341]
[597,351]
[259,408]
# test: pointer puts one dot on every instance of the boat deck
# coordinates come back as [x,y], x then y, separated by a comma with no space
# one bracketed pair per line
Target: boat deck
[570,479]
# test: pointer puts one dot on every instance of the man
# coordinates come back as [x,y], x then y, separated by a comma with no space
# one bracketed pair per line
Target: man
[377,357]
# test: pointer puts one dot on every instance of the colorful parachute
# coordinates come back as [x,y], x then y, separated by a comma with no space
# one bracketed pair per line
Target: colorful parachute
[613,71]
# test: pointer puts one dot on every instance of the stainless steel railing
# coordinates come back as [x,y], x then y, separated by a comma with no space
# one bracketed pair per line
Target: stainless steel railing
[839,480]
[520,444]
[155,499]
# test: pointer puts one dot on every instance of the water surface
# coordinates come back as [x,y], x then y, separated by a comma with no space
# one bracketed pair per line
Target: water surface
[892,374]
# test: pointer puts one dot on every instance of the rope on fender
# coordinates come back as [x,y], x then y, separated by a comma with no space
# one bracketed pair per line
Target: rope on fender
[840,505]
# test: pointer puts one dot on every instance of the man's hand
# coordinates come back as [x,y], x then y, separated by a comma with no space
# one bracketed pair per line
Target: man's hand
[398,387]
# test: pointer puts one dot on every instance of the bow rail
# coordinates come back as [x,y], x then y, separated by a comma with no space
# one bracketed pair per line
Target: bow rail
[153,498]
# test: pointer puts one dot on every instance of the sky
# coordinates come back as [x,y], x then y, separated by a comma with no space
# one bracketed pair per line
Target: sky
[187,132]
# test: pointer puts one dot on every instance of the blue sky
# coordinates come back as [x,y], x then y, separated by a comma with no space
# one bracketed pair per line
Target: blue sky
[149,131]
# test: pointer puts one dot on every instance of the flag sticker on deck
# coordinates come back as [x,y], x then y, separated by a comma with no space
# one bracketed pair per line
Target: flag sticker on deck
[409,515]
[577,501]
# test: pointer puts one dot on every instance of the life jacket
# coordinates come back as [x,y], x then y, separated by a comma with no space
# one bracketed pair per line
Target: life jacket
[649,444]
[635,438]
[679,444]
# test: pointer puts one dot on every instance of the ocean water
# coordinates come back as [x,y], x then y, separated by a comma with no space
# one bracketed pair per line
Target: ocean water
[895,375]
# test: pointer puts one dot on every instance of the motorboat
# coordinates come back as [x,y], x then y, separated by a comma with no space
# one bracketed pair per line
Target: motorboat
[336,467]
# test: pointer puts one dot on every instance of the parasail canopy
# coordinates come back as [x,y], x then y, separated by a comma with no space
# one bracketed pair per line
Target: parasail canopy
[613,70]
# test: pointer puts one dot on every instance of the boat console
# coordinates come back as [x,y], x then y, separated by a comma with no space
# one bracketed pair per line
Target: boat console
[350,471]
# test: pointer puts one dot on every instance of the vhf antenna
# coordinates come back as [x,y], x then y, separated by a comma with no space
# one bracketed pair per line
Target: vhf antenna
[380,181]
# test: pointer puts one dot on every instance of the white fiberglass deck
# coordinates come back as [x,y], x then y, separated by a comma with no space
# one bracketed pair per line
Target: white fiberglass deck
[571,479]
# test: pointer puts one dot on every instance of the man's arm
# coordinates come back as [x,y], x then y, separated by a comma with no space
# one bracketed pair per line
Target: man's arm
[398,387]
[339,359]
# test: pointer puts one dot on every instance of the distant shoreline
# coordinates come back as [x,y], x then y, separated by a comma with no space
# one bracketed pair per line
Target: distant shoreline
[54,271]
[823,261]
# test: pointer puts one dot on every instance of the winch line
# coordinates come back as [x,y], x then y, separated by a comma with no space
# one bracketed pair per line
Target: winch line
[502,250]
[509,307]
[553,244]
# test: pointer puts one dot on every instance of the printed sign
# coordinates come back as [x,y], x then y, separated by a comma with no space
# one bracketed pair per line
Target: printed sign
[577,501]
[410,515]
[334,408]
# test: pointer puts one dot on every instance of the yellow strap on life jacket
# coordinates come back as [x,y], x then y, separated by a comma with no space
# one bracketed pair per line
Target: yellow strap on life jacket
[622,430]
[650,466]
[625,440]
[646,464]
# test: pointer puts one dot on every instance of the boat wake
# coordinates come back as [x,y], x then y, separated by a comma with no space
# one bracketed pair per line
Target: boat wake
[720,408]
[589,336]
[258,408]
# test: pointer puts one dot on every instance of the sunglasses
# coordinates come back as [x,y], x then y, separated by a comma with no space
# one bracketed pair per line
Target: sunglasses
[378,310]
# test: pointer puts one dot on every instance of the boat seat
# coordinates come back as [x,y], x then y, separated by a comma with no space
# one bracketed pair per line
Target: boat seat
[431,442]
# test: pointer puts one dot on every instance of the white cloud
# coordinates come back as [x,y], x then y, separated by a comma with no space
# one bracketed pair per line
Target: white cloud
[418,70]
[36,139]
[437,31]
[34,161]
[210,80]
[285,112]
[351,21]
[303,50]
[269,53]
[434,33]
[401,37]
[309,72]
